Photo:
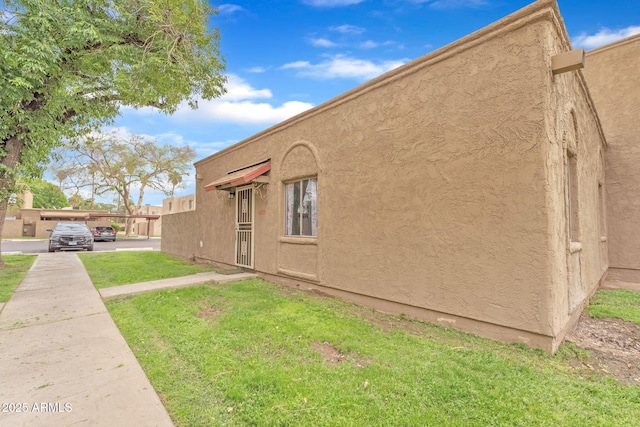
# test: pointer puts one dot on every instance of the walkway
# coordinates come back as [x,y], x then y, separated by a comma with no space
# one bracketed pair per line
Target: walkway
[63,361]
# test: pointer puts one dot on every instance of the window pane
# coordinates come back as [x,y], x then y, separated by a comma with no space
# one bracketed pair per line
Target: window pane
[289,209]
[309,208]
[301,205]
[313,195]
[305,217]
[296,209]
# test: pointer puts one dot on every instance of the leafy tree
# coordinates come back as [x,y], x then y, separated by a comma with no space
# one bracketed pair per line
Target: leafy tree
[80,202]
[46,195]
[99,206]
[110,163]
[67,66]
[76,200]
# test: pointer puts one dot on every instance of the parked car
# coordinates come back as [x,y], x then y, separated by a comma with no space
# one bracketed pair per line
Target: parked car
[70,235]
[103,233]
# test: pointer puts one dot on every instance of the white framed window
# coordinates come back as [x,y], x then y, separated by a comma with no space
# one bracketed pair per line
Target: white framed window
[301,208]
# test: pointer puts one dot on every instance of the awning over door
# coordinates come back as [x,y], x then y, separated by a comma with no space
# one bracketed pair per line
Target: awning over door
[241,177]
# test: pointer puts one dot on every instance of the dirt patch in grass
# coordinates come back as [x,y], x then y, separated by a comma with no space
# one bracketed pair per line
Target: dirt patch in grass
[331,355]
[208,312]
[614,347]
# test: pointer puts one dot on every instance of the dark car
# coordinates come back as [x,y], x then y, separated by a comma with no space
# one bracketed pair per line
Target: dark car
[103,233]
[70,235]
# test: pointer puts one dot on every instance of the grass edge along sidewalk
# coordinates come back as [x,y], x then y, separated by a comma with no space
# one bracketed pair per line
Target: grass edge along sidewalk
[122,268]
[289,357]
[260,354]
[14,271]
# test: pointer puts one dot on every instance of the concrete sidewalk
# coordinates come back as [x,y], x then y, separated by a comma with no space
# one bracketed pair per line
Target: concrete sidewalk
[63,361]
[177,282]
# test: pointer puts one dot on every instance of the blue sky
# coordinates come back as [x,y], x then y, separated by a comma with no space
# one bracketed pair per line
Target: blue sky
[286,56]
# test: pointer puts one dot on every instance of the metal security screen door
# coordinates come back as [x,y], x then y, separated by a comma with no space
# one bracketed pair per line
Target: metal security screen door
[244,227]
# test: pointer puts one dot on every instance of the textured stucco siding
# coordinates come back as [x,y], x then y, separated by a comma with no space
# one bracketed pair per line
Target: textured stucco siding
[12,228]
[613,75]
[439,198]
[179,234]
[431,187]
[441,188]
[578,263]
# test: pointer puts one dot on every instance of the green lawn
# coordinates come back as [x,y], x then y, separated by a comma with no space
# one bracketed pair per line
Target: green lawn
[253,353]
[15,268]
[122,268]
[617,304]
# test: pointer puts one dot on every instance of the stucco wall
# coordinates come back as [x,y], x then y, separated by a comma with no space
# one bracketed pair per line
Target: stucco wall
[155,227]
[578,246]
[178,234]
[12,228]
[613,75]
[433,185]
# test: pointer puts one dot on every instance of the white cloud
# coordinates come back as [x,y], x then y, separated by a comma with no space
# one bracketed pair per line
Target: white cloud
[342,66]
[238,89]
[228,9]
[124,133]
[331,3]
[204,149]
[172,138]
[237,106]
[256,70]
[244,112]
[321,42]
[297,64]
[347,29]
[604,36]
[369,44]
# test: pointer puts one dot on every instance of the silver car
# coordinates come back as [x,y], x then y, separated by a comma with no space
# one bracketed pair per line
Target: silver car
[70,235]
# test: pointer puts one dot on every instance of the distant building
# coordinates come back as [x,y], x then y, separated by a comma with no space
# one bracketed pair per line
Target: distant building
[179,204]
[29,222]
[154,228]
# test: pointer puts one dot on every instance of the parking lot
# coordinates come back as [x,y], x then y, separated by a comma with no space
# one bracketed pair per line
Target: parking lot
[35,246]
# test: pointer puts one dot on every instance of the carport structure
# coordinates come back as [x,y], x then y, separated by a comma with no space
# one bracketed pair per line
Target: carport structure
[149,218]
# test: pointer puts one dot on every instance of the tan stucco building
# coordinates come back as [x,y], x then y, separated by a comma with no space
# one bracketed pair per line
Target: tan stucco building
[145,226]
[29,222]
[613,76]
[169,206]
[465,188]
[179,204]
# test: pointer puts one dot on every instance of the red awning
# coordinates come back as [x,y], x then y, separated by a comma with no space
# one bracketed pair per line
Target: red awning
[241,177]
